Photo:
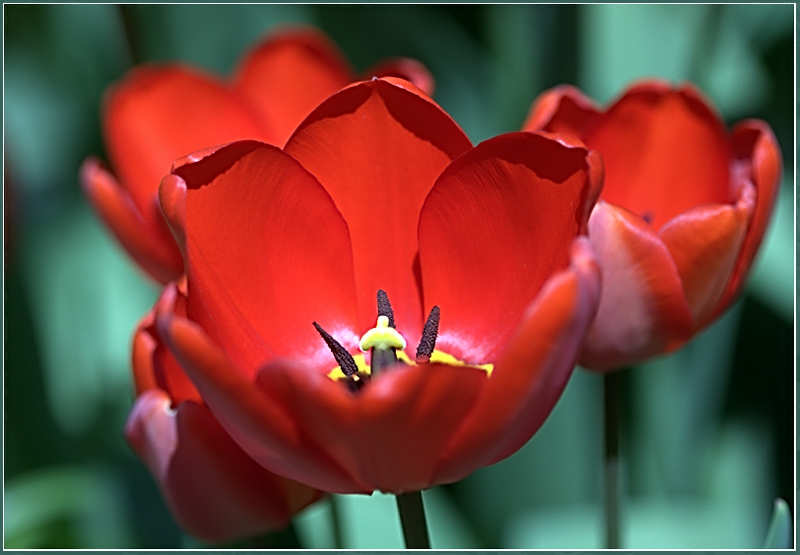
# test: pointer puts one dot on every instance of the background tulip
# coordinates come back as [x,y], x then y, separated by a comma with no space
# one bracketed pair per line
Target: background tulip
[709,428]
[684,209]
[275,240]
[158,113]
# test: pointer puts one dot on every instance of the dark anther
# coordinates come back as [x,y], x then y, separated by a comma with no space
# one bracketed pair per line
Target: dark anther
[429,333]
[343,358]
[385,307]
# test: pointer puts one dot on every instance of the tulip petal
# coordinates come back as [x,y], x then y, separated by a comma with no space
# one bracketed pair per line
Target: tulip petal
[263,429]
[288,75]
[642,311]
[757,150]
[408,69]
[267,254]
[704,243]
[215,491]
[153,364]
[532,370]
[377,147]
[147,240]
[144,345]
[390,434]
[655,137]
[563,109]
[158,114]
[497,224]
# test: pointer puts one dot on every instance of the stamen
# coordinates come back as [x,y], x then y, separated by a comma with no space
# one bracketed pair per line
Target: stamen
[429,333]
[385,307]
[340,354]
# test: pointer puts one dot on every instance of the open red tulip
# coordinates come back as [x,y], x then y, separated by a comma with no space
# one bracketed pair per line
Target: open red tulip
[158,113]
[684,208]
[215,491]
[379,190]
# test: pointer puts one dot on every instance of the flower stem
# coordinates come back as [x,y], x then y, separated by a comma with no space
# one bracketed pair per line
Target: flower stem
[128,25]
[611,464]
[336,523]
[412,517]
[280,539]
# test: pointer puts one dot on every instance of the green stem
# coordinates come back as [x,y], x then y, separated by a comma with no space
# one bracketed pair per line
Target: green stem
[281,539]
[128,25]
[412,517]
[611,462]
[336,523]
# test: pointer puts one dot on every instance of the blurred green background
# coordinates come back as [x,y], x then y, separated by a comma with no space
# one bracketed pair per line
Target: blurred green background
[708,433]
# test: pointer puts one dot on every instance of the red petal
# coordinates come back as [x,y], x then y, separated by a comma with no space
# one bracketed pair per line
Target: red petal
[377,147]
[564,109]
[288,75]
[215,491]
[158,114]
[153,364]
[665,152]
[759,157]
[497,224]
[642,308]
[268,254]
[390,434]
[532,370]
[405,68]
[263,428]
[144,345]
[148,241]
[705,243]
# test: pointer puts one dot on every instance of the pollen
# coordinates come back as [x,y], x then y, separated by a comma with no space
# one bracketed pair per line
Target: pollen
[382,336]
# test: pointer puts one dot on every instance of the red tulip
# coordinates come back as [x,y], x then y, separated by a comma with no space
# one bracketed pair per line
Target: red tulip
[683,210]
[159,113]
[378,189]
[215,491]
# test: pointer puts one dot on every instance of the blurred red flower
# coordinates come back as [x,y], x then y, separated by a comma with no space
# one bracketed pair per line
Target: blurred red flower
[158,113]
[684,208]
[378,189]
[215,491]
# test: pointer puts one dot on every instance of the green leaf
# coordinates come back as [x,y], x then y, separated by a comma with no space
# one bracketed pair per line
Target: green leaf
[86,297]
[773,277]
[211,36]
[81,503]
[779,534]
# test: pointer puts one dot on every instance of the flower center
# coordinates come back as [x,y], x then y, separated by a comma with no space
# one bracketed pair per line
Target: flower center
[386,347]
